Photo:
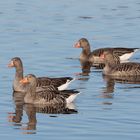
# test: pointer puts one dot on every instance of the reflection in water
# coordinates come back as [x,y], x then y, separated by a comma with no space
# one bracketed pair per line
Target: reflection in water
[108,92]
[86,67]
[128,79]
[111,80]
[16,117]
[124,79]
[31,111]
[110,83]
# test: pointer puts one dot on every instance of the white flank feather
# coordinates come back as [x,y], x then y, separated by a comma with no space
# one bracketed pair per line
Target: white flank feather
[71,106]
[71,98]
[126,56]
[64,86]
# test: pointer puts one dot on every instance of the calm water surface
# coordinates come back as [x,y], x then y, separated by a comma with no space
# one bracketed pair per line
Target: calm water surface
[42,33]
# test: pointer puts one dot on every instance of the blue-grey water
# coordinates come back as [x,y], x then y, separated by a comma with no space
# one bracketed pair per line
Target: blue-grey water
[42,33]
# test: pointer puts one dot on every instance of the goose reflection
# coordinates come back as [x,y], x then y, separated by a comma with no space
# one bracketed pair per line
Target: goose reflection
[108,92]
[15,118]
[110,83]
[86,67]
[111,80]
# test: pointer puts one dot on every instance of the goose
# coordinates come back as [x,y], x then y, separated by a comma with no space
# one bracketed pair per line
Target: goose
[93,56]
[113,67]
[61,83]
[47,96]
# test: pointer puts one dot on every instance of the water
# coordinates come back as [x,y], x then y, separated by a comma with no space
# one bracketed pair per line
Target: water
[42,33]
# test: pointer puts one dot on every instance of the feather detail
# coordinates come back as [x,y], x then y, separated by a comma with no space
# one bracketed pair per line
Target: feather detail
[41,81]
[48,95]
[93,57]
[112,67]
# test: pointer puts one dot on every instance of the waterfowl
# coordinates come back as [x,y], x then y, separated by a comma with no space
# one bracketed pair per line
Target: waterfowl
[46,96]
[61,83]
[93,56]
[113,67]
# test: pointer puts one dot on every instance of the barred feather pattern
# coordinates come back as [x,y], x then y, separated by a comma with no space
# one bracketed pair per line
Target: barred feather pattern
[41,81]
[122,51]
[48,95]
[112,59]
[55,109]
[48,88]
[113,67]
[51,109]
[126,69]
[116,51]
[45,81]
[94,56]
[55,96]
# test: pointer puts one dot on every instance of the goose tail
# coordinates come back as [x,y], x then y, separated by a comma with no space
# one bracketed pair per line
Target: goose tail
[71,98]
[65,86]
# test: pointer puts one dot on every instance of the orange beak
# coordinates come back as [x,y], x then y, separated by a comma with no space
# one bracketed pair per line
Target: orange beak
[24,81]
[11,64]
[77,45]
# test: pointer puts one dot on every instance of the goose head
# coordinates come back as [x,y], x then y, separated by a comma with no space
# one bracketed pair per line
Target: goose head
[15,62]
[82,43]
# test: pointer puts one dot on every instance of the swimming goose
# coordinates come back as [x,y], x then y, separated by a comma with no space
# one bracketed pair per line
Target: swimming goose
[61,83]
[93,57]
[113,67]
[46,96]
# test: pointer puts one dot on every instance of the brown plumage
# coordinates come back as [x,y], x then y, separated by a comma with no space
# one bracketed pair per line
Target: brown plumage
[43,81]
[61,83]
[93,57]
[114,68]
[48,95]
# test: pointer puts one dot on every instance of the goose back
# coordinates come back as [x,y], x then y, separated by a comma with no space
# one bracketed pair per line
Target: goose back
[113,67]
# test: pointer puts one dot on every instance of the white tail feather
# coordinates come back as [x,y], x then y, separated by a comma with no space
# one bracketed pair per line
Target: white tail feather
[71,98]
[64,86]
[71,106]
[136,49]
[126,56]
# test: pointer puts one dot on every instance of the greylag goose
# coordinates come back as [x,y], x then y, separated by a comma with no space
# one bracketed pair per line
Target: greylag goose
[93,57]
[61,83]
[46,96]
[113,67]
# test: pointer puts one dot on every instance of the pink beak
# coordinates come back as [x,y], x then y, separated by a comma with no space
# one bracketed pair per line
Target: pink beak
[11,64]
[77,45]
